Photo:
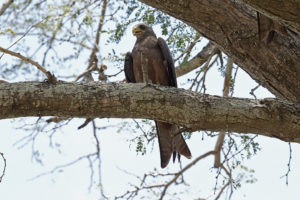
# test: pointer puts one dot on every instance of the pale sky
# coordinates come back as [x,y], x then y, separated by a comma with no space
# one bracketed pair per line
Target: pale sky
[116,155]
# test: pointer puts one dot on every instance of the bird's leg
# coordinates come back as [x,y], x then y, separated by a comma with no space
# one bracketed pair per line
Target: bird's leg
[144,62]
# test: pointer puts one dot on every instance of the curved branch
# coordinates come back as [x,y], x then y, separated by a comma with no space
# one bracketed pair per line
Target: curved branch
[4,167]
[51,77]
[233,27]
[286,12]
[269,117]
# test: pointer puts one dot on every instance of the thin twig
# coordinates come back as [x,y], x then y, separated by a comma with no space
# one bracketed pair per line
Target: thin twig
[286,175]
[64,165]
[4,167]
[253,90]
[226,185]
[203,69]
[24,34]
[85,123]
[99,159]
[188,49]
[183,170]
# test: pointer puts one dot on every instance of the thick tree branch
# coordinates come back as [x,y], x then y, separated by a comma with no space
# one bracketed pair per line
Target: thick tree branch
[269,117]
[233,27]
[285,12]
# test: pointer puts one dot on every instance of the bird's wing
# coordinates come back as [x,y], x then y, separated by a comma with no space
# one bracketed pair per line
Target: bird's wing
[168,58]
[128,68]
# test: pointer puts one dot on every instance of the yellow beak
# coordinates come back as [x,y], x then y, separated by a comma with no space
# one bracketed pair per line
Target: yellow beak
[136,31]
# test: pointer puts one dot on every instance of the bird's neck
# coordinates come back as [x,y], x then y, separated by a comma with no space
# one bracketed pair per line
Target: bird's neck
[143,37]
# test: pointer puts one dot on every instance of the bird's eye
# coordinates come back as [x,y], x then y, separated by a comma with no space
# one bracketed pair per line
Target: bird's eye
[142,27]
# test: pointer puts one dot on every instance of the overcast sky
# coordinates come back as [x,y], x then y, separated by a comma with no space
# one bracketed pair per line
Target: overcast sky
[116,155]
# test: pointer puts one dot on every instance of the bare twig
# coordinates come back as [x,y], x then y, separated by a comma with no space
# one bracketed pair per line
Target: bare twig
[144,132]
[64,165]
[4,167]
[188,49]
[253,90]
[182,171]
[24,34]
[198,60]
[99,160]
[203,69]
[286,175]
[85,123]
[116,74]
[51,77]
[204,76]
[227,184]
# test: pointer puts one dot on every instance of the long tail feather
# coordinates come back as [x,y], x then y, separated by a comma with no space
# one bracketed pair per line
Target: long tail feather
[170,143]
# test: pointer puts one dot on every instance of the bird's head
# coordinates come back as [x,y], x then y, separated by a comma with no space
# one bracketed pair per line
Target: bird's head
[142,30]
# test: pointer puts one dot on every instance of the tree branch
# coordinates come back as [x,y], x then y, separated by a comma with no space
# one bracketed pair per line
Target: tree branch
[4,167]
[51,77]
[286,12]
[234,29]
[221,135]
[5,6]
[269,117]
[208,51]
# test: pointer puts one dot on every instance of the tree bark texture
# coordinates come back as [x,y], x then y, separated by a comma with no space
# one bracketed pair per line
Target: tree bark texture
[233,27]
[285,12]
[269,117]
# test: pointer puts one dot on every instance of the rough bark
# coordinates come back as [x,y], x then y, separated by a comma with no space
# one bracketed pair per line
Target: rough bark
[285,12]
[233,27]
[269,117]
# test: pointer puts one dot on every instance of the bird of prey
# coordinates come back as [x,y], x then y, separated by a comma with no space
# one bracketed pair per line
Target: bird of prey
[161,71]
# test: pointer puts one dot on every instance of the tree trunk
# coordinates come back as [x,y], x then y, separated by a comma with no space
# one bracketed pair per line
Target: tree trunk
[233,26]
[269,117]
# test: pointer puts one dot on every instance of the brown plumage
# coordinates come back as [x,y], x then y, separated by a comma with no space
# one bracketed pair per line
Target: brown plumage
[161,71]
